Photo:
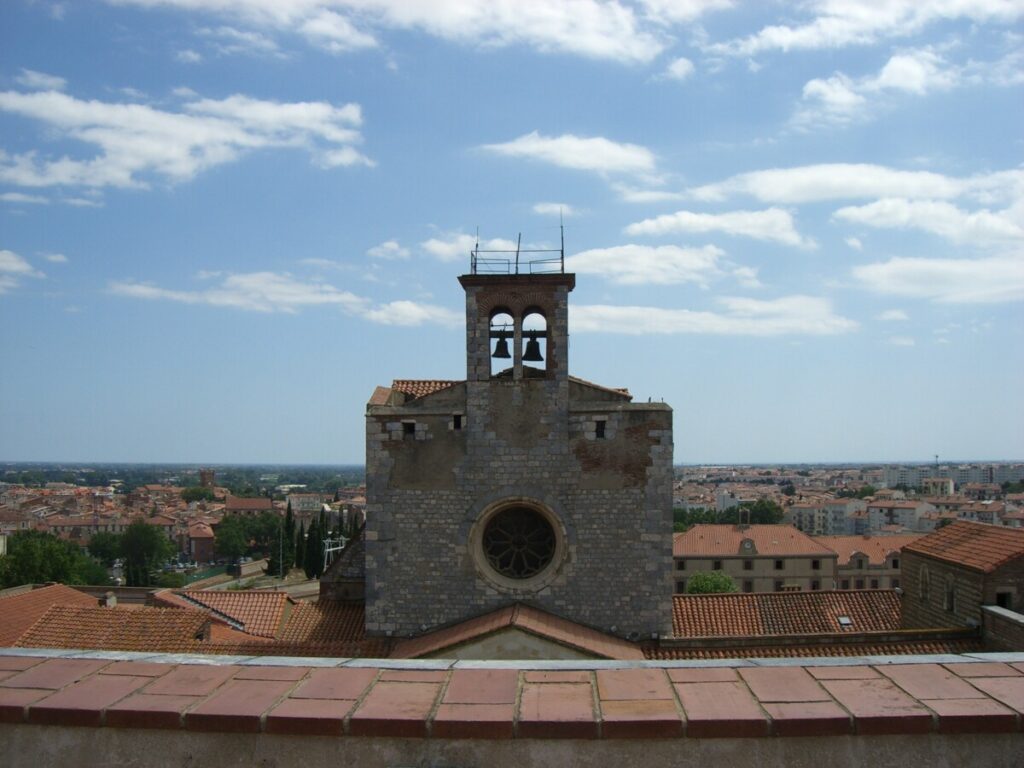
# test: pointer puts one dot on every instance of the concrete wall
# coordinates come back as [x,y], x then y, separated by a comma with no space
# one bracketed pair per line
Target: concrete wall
[1004,629]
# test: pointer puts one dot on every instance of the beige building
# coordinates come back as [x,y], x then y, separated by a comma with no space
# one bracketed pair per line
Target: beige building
[759,558]
[868,562]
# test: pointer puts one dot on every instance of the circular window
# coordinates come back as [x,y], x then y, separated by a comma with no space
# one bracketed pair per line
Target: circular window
[518,542]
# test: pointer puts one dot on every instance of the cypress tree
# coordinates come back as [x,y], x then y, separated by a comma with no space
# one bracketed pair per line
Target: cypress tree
[300,546]
[312,556]
[289,540]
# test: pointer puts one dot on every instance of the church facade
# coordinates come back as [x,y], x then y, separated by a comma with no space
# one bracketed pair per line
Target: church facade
[518,485]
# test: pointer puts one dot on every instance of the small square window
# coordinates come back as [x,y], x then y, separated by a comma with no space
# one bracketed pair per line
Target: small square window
[874,583]
[859,584]
[680,565]
[680,587]
[408,427]
[716,565]
[457,421]
[748,586]
[895,583]
[815,565]
[895,562]
[780,565]
[748,565]
[815,585]
[599,430]
[844,584]
[778,586]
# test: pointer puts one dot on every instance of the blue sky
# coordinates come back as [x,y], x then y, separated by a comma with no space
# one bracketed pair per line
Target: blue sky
[222,222]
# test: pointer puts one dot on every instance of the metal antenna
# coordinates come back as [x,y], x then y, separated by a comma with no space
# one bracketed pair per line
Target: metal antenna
[561,231]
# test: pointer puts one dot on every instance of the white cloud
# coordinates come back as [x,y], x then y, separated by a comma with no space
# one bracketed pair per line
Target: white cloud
[848,181]
[682,11]
[188,56]
[455,245]
[747,277]
[413,313]
[82,202]
[893,316]
[841,23]
[951,281]
[590,28]
[281,292]
[20,197]
[937,217]
[647,265]
[56,258]
[855,243]
[229,41]
[40,81]
[630,194]
[773,224]
[136,141]
[785,316]
[679,69]
[184,92]
[389,249]
[901,341]
[581,153]
[554,209]
[12,268]
[840,99]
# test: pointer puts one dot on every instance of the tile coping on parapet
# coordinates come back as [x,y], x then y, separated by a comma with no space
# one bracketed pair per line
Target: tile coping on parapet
[520,664]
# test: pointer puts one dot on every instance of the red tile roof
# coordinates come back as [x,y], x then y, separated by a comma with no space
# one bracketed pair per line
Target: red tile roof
[978,546]
[784,613]
[258,612]
[121,629]
[726,540]
[880,648]
[326,622]
[527,619]
[416,388]
[875,548]
[238,502]
[18,612]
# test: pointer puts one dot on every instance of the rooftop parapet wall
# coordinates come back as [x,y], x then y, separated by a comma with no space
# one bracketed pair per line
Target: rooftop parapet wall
[125,708]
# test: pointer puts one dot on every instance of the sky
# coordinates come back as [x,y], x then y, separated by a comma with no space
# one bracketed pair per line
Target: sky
[223,222]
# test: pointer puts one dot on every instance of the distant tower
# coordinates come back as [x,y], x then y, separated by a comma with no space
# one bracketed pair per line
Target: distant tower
[206,478]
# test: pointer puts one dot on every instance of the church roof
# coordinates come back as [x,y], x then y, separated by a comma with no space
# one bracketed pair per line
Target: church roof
[977,546]
[528,619]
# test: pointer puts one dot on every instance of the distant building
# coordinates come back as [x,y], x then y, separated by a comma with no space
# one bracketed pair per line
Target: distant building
[868,562]
[207,478]
[237,505]
[759,558]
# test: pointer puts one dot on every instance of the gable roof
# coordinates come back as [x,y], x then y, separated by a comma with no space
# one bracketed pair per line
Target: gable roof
[753,614]
[20,611]
[258,612]
[124,629]
[525,618]
[239,502]
[416,388]
[977,546]
[727,541]
[875,548]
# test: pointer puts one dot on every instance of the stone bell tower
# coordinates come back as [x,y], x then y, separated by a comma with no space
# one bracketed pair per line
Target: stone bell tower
[520,484]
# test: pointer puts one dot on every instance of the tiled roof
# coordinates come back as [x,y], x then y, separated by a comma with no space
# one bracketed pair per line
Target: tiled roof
[325,622]
[881,648]
[875,548]
[726,540]
[380,396]
[614,390]
[739,614]
[19,612]
[416,388]
[238,502]
[258,612]
[527,619]
[978,546]
[120,629]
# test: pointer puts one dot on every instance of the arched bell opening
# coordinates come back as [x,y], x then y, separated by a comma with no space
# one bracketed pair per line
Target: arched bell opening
[535,341]
[502,338]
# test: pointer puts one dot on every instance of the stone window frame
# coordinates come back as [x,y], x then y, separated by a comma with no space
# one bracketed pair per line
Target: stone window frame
[504,583]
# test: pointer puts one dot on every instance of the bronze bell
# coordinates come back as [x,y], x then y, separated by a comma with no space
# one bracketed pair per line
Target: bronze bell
[532,353]
[501,348]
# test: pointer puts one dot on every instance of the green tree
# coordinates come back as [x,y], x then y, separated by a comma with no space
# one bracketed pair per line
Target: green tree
[34,557]
[282,552]
[231,538]
[264,530]
[763,512]
[709,582]
[313,559]
[300,546]
[105,547]
[170,580]
[145,547]
[197,493]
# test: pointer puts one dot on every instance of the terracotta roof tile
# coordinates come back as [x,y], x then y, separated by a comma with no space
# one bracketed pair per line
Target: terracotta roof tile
[258,612]
[527,619]
[881,648]
[726,540]
[875,548]
[978,546]
[784,613]
[137,629]
[416,388]
[326,622]
[19,612]
[238,502]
